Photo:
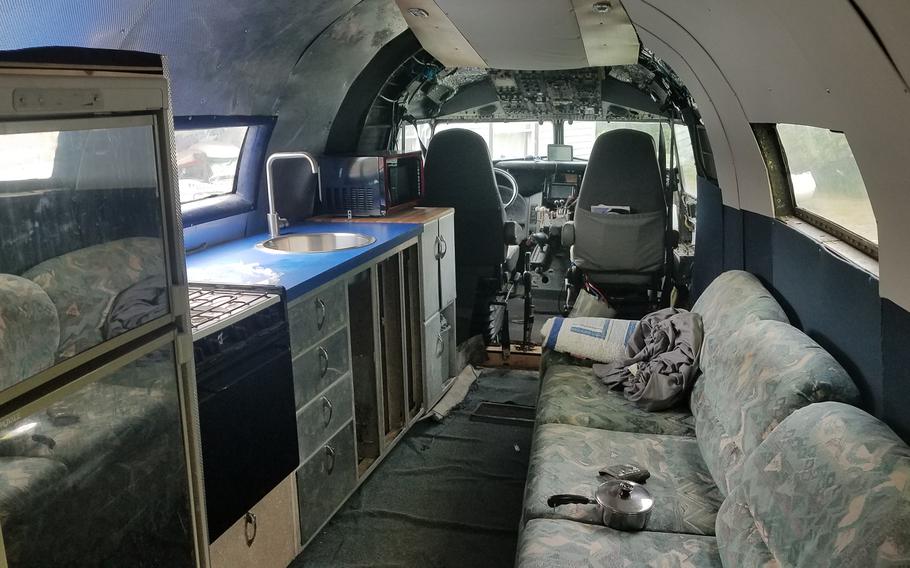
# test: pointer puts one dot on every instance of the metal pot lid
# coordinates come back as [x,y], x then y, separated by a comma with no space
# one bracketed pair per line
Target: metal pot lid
[625,497]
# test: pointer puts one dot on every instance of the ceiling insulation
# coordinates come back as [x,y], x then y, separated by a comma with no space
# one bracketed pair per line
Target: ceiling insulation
[524,34]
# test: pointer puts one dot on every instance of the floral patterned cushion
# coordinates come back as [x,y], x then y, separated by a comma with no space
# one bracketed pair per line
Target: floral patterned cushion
[564,544]
[84,284]
[830,486]
[566,459]
[571,394]
[29,330]
[732,300]
[762,374]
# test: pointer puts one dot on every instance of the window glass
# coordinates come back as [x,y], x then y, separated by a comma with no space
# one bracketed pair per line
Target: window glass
[408,141]
[686,159]
[28,155]
[825,178]
[581,134]
[506,140]
[207,161]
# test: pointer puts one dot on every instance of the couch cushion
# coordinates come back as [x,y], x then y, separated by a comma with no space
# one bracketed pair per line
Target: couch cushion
[830,486]
[732,300]
[84,284]
[571,394]
[564,544]
[566,459]
[29,330]
[761,374]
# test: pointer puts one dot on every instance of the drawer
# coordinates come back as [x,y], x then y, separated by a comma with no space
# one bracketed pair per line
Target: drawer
[265,537]
[321,365]
[324,415]
[325,480]
[316,315]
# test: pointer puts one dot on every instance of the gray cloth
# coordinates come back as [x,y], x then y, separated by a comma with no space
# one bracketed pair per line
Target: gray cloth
[661,360]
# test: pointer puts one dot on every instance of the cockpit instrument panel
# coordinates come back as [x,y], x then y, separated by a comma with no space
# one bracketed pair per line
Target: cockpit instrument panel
[564,93]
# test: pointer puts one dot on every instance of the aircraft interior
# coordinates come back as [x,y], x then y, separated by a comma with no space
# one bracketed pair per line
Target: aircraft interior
[433,283]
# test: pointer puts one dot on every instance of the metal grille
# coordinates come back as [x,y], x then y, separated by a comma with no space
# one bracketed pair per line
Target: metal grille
[210,305]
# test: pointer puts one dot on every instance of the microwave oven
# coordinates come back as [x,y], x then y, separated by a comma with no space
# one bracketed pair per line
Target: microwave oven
[370,186]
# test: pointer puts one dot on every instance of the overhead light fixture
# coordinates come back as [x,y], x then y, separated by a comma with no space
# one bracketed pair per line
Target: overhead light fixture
[602,7]
[418,12]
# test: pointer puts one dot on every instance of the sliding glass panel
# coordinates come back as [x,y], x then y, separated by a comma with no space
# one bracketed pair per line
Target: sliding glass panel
[825,178]
[83,256]
[99,477]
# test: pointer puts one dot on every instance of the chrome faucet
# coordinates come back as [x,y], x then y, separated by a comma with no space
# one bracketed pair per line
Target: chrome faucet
[275,222]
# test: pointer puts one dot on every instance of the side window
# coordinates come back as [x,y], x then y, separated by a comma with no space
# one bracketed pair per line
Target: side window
[827,188]
[207,161]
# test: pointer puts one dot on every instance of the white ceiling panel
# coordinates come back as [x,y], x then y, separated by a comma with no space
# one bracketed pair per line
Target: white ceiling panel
[534,35]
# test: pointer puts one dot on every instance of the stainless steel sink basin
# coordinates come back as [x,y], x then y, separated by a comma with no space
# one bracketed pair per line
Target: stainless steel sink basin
[318,242]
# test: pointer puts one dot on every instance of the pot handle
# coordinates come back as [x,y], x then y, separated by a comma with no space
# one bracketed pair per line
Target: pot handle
[569,499]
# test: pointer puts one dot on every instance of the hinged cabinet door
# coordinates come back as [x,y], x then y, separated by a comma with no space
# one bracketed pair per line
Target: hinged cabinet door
[447,291]
[429,268]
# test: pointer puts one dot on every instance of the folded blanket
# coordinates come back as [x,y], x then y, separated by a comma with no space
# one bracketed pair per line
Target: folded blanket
[598,339]
[661,360]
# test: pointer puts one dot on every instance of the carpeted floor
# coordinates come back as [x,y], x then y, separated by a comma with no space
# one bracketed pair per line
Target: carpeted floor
[449,495]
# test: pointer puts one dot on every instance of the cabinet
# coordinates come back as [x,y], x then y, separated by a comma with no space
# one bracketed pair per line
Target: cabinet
[437,248]
[437,270]
[370,351]
[323,365]
[265,536]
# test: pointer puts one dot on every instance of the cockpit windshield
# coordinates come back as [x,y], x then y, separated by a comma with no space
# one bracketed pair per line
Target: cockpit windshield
[505,139]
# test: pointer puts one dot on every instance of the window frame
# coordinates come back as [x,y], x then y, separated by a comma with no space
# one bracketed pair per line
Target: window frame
[784,200]
[244,194]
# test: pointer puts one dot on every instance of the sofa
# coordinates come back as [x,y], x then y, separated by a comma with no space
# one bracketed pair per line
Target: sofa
[739,476]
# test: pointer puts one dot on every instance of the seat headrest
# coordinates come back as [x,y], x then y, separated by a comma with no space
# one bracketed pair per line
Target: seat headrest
[458,159]
[623,170]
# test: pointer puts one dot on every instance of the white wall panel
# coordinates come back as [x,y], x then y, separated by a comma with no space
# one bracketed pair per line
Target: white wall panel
[809,62]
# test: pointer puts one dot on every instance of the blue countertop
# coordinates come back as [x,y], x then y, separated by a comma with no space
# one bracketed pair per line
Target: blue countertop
[242,262]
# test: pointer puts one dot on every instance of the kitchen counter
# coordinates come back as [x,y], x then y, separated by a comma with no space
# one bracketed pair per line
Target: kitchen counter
[242,262]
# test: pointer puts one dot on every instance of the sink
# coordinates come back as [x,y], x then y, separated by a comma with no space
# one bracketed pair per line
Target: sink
[318,242]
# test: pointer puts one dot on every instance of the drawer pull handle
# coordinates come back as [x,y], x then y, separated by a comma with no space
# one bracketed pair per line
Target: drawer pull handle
[437,255]
[440,344]
[327,411]
[250,528]
[320,318]
[323,361]
[329,459]
[444,247]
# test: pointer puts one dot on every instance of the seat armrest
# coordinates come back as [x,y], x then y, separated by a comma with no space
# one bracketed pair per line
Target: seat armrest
[512,233]
[567,238]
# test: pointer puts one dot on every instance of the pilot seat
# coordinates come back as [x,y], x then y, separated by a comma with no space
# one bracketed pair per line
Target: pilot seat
[458,173]
[621,239]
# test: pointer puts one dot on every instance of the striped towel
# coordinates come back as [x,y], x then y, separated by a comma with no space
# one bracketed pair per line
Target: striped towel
[598,339]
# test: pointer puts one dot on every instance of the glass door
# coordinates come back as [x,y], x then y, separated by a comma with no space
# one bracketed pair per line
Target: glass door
[83,266]
[95,474]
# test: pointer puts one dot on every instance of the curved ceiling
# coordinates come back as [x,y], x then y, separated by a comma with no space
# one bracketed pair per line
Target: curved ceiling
[230,56]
